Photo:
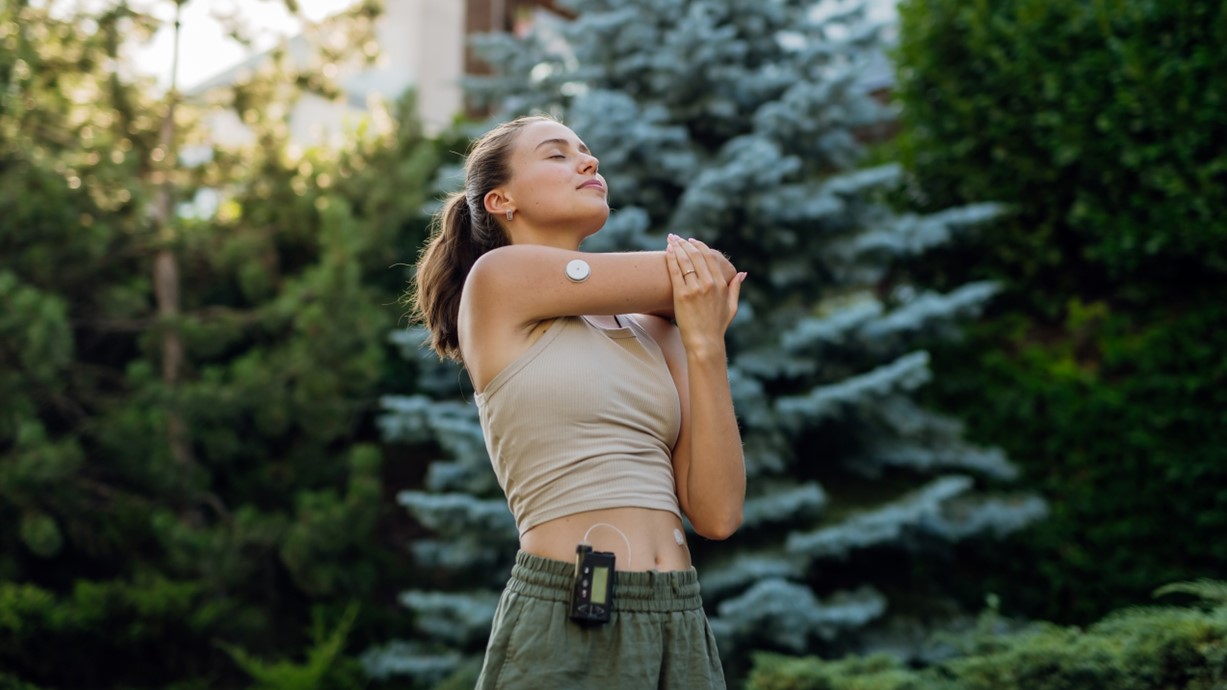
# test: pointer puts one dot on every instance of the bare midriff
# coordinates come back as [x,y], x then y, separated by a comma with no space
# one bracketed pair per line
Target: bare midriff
[651,533]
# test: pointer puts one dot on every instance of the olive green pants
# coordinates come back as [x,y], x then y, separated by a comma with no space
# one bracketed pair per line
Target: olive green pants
[658,635]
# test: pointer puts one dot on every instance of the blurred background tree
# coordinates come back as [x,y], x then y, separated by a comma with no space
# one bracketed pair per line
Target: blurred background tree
[742,125]
[1100,368]
[166,522]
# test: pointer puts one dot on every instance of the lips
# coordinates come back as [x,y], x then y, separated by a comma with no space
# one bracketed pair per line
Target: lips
[593,183]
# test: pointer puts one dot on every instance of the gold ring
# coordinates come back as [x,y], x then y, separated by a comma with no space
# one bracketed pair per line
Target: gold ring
[686,273]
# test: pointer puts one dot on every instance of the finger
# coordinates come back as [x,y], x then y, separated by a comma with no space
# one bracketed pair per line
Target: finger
[673,262]
[709,257]
[698,260]
[735,293]
[684,258]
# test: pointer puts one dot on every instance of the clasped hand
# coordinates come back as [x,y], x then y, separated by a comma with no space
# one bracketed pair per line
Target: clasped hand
[704,301]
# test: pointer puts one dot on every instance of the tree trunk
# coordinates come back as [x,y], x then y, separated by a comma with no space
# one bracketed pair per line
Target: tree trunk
[166,270]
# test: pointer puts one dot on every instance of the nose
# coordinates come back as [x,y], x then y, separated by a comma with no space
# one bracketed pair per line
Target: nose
[588,163]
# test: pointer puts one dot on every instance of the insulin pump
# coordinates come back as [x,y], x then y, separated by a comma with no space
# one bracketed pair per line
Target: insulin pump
[592,593]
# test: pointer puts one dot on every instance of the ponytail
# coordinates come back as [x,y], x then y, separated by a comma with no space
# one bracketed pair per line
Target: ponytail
[455,244]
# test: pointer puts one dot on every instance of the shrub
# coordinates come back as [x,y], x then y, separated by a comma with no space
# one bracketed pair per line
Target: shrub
[1099,369]
[1175,648]
[1099,120]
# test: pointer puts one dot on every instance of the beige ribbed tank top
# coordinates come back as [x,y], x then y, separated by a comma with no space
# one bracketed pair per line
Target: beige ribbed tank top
[585,419]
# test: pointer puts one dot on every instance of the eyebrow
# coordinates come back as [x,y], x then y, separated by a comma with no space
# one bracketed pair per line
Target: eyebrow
[563,142]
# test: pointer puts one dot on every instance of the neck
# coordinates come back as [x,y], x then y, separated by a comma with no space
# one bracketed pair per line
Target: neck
[559,239]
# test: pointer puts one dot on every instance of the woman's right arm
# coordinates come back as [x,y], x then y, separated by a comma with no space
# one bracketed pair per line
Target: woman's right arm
[528,283]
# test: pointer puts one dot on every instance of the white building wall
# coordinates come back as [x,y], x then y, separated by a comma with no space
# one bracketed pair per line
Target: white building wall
[440,60]
[421,45]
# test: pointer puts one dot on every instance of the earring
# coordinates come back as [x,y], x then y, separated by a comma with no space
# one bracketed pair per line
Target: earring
[510,214]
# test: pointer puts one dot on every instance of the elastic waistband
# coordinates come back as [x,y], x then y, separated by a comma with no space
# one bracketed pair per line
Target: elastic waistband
[545,578]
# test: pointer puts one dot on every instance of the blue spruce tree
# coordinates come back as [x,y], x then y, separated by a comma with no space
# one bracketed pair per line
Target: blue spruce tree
[740,124]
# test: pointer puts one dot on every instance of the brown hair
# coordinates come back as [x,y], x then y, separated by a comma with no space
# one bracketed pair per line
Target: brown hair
[461,232]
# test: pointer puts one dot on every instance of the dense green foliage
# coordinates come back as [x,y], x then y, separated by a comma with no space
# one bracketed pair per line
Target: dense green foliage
[1100,371]
[1119,418]
[1132,649]
[1101,121]
[172,522]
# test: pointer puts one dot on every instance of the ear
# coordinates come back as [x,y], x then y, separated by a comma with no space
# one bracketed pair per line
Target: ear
[498,202]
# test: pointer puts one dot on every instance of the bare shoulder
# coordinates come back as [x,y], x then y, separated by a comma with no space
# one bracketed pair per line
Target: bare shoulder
[506,266]
[494,282]
[511,289]
[496,261]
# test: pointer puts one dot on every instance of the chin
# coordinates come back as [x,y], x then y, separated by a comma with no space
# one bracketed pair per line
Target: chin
[595,224]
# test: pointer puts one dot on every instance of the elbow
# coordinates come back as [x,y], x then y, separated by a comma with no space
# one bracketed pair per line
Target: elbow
[719,529]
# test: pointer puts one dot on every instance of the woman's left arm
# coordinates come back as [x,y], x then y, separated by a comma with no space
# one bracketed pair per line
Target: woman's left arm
[708,463]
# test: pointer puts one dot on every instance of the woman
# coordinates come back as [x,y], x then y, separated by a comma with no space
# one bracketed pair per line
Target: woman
[605,421]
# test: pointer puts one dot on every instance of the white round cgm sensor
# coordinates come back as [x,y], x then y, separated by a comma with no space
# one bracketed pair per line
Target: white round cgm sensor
[578,270]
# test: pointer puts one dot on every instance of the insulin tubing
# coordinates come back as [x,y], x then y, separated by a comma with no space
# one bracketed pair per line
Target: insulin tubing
[620,534]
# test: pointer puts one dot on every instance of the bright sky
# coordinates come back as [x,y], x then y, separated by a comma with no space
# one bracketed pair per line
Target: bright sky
[204,49]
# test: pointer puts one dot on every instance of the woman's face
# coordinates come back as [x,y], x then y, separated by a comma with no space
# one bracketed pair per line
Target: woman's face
[554,181]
